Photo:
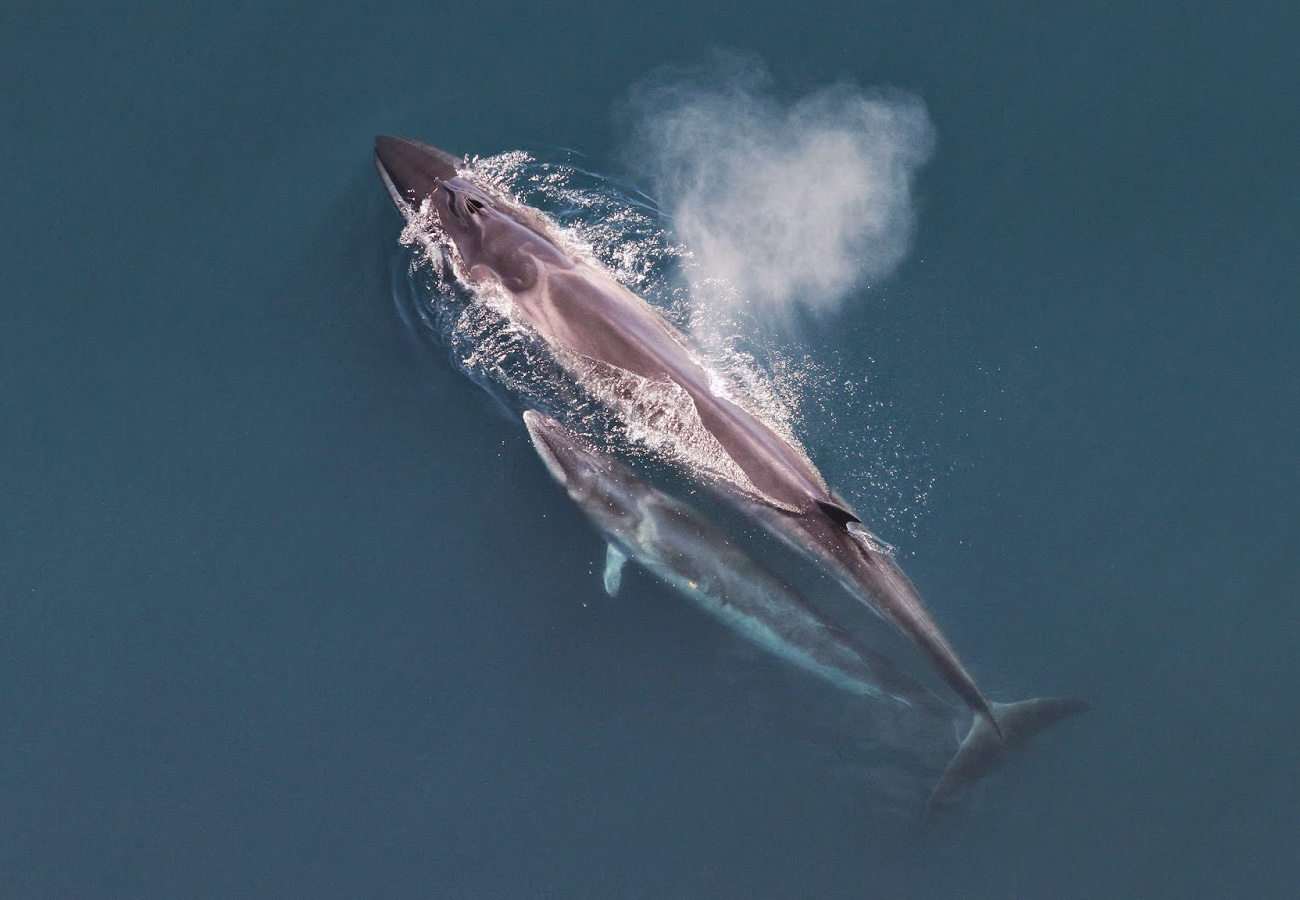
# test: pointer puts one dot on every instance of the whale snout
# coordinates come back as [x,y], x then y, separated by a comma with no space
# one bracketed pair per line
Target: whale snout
[412,171]
[546,435]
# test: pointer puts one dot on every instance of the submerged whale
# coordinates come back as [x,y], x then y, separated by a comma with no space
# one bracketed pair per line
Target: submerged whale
[689,553]
[684,550]
[603,332]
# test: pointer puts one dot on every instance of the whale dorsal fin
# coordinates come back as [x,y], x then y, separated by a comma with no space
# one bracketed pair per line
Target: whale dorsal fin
[838,514]
[614,560]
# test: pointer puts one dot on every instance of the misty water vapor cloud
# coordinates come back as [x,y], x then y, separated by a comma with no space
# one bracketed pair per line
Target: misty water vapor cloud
[785,206]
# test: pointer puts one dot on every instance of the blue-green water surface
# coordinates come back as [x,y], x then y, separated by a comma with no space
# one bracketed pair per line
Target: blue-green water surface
[289,608]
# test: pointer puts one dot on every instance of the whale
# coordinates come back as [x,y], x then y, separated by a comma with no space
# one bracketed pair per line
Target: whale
[681,548]
[674,542]
[608,337]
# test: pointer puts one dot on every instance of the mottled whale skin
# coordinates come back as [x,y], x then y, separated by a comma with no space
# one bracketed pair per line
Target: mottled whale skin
[690,554]
[583,312]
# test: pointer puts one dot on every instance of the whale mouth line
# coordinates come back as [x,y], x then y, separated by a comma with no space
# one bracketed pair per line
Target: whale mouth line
[411,170]
[539,427]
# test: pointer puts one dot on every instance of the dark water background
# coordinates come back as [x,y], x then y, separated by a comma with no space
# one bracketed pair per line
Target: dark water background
[290,610]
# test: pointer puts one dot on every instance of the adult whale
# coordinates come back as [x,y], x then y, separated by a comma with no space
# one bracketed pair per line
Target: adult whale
[600,330]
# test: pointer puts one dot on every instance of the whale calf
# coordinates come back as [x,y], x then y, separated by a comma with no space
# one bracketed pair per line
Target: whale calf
[603,333]
[689,553]
[680,547]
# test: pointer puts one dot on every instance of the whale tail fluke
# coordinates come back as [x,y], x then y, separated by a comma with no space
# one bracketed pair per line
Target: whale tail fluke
[982,750]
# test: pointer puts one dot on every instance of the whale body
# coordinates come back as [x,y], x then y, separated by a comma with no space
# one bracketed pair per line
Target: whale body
[676,544]
[604,333]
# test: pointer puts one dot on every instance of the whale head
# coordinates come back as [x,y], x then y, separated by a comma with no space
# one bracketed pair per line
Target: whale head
[604,489]
[415,173]
[492,236]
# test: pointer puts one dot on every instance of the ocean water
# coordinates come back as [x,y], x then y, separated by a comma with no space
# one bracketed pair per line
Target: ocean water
[291,609]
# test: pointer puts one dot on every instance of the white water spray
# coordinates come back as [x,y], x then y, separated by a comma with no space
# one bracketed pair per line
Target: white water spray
[786,206]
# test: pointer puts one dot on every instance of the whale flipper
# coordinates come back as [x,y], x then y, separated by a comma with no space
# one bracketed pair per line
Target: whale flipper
[614,560]
[981,751]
